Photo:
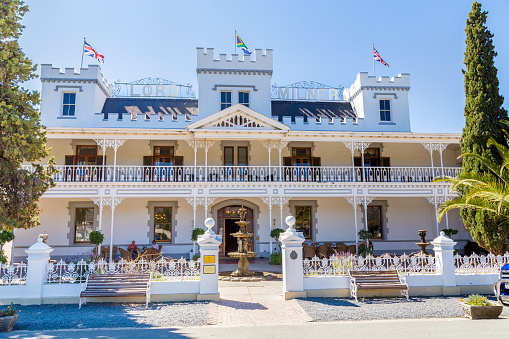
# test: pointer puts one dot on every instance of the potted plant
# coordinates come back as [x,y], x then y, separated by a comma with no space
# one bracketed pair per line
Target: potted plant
[96,238]
[478,307]
[365,247]
[194,237]
[8,318]
[275,233]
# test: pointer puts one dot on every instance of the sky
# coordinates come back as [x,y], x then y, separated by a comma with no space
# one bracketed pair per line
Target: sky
[323,41]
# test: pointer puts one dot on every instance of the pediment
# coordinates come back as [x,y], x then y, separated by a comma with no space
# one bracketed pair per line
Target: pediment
[237,118]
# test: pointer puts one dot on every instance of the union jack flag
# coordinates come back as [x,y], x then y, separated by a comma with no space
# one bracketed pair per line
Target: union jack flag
[88,50]
[377,57]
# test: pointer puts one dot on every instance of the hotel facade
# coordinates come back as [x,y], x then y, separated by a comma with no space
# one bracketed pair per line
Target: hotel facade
[150,160]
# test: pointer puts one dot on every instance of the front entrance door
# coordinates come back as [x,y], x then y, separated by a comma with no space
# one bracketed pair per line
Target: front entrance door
[226,218]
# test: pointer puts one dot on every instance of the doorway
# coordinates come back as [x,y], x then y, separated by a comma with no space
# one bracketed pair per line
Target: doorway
[226,218]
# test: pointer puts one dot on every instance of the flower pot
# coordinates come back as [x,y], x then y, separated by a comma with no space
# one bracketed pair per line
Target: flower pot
[481,312]
[7,323]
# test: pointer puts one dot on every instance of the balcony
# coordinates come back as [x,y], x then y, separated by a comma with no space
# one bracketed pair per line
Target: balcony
[181,174]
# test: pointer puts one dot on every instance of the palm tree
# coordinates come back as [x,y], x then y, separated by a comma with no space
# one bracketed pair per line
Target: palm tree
[487,191]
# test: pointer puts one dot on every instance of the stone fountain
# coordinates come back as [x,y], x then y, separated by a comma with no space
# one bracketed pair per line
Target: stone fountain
[242,253]
[423,244]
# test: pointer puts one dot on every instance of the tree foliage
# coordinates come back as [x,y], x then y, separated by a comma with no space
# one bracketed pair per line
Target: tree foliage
[483,115]
[486,192]
[22,138]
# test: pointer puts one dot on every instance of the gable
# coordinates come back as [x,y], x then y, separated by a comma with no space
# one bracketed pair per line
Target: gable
[238,117]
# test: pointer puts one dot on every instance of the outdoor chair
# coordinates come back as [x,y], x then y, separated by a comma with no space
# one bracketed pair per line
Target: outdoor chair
[307,251]
[151,253]
[105,253]
[126,255]
[341,248]
[321,251]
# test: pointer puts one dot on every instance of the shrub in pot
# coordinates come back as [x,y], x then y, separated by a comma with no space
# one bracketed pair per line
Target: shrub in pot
[8,318]
[478,307]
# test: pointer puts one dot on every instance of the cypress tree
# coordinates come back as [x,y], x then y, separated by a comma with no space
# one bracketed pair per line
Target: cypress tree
[22,138]
[483,115]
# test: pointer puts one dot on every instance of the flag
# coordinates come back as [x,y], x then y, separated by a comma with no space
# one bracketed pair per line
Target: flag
[377,57]
[242,46]
[88,50]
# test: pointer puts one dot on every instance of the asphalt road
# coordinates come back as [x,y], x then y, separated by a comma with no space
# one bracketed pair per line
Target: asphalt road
[423,328]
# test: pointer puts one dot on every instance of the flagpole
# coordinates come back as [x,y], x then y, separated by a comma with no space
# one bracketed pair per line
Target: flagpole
[82,52]
[235,42]
[374,61]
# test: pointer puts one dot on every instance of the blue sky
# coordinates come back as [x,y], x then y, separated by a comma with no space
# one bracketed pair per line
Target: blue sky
[324,41]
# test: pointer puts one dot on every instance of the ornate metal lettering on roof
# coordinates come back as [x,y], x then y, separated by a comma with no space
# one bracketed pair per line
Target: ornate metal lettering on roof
[153,87]
[307,91]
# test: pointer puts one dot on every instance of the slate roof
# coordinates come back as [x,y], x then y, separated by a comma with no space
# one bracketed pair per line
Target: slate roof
[311,109]
[172,106]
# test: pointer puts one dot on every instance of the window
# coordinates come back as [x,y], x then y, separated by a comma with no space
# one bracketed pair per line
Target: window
[228,156]
[226,100]
[162,224]
[244,98]
[84,224]
[69,106]
[385,110]
[303,220]
[242,156]
[375,221]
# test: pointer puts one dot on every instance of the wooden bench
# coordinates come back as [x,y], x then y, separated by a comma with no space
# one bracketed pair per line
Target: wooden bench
[116,285]
[376,280]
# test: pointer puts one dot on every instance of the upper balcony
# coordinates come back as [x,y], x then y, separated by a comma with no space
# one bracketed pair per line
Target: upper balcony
[188,174]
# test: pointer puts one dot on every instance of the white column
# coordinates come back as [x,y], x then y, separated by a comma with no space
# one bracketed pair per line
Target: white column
[102,143]
[209,253]
[282,201]
[430,147]
[115,143]
[282,144]
[354,201]
[208,144]
[351,146]
[444,260]
[113,202]
[38,258]
[192,201]
[293,272]
[270,201]
[366,202]
[433,200]
[441,147]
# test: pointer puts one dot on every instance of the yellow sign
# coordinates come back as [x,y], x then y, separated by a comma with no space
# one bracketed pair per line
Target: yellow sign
[209,269]
[209,259]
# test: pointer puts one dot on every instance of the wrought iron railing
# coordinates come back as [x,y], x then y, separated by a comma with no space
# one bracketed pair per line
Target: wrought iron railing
[162,270]
[13,274]
[108,173]
[337,266]
[480,264]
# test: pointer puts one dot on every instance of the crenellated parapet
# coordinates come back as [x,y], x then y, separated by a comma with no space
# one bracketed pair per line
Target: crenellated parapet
[92,74]
[365,82]
[258,62]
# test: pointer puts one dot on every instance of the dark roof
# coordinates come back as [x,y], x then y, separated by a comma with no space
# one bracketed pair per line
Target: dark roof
[312,109]
[172,106]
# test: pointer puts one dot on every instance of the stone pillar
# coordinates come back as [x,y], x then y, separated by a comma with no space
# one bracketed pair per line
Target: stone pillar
[38,258]
[209,256]
[444,261]
[293,272]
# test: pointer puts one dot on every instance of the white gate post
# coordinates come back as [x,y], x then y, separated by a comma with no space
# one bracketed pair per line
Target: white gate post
[209,262]
[444,261]
[293,272]
[38,258]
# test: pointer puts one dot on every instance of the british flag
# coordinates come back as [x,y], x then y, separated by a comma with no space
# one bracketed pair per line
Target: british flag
[88,50]
[377,57]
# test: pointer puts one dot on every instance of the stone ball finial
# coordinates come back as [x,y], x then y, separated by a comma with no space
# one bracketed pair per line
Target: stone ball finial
[209,223]
[442,233]
[290,221]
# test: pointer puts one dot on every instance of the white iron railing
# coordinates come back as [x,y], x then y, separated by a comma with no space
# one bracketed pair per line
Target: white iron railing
[162,270]
[480,264]
[108,173]
[14,274]
[337,266]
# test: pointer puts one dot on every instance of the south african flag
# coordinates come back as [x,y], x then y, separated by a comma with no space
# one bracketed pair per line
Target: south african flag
[242,46]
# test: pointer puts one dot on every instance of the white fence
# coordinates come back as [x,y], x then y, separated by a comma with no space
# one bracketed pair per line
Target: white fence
[161,270]
[14,274]
[480,264]
[337,266]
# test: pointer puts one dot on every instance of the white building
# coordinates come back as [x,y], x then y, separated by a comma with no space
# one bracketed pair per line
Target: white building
[146,160]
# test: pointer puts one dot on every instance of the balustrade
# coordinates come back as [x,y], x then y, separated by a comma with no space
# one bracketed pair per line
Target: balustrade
[329,174]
